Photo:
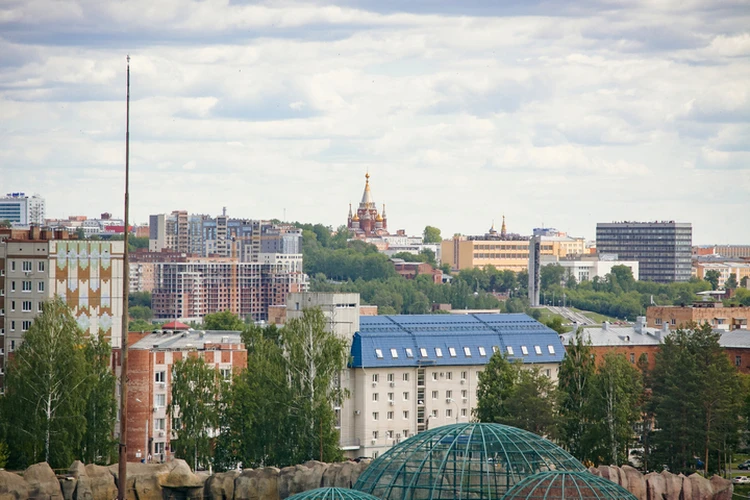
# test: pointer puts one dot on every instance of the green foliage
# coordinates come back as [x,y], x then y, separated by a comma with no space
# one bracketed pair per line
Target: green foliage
[697,395]
[4,454]
[139,299]
[143,313]
[224,320]
[48,385]
[141,325]
[5,223]
[278,412]
[575,380]
[741,297]
[431,235]
[712,276]
[743,281]
[135,243]
[556,324]
[551,275]
[194,407]
[731,282]
[510,394]
[97,445]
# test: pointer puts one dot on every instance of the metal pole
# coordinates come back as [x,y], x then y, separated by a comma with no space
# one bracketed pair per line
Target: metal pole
[123,458]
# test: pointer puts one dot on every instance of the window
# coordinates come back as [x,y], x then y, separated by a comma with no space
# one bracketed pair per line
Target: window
[463,375]
[464,393]
[390,377]
[547,372]
[12,305]
[374,434]
[657,321]
[482,352]
[25,325]
[632,357]
[434,413]
[160,424]
[467,351]
[394,353]
[405,414]
[12,286]
[405,377]
[674,321]
[159,449]
[40,286]
[409,352]
[40,266]
[160,400]
[12,345]
[510,350]
[389,434]
[375,416]
[389,415]
[537,350]
[434,376]
[375,397]
[160,376]
[524,351]
[26,306]
[390,396]
[423,352]
[12,326]
[463,412]
[449,412]
[435,395]
[39,306]
[738,361]
[26,286]
[405,433]
[452,352]
[379,353]
[375,377]
[449,375]
[406,396]
[449,394]
[438,352]
[551,349]
[26,266]
[12,265]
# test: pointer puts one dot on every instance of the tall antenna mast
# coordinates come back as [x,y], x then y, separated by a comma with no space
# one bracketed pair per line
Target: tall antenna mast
[123,459]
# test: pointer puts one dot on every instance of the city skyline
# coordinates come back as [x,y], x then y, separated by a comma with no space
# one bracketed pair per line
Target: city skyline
[552,114]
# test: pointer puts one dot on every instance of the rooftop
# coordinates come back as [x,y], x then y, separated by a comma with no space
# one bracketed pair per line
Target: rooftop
[170,340]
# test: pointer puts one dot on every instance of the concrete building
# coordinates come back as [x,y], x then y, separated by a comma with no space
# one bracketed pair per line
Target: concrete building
[190,288]
[725,269]
[735,252]
[36,265]
[409,373]
[641,340]
[151,357]
[535,269]
[341,310]
[21,209]
[714,313]
[662,249]
[588,266]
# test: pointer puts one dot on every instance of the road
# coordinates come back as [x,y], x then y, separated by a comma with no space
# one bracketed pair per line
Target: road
[571,315]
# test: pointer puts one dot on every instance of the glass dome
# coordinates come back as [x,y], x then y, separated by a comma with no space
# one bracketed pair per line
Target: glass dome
[566,485]
[332,494]
[475,460]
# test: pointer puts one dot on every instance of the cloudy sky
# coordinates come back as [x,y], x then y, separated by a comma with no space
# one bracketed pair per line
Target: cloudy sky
[553,113]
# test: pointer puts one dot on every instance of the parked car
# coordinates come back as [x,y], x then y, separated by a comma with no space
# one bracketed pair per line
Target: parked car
[744,465]
[741,480]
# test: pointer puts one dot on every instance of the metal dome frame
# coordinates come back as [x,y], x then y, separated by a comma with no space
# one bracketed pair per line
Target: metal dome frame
[332,494]
[462,461]
[568,485]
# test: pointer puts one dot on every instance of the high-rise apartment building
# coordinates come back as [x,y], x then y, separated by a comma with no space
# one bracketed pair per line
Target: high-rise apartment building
[22,210]
[663,249]
[36,265]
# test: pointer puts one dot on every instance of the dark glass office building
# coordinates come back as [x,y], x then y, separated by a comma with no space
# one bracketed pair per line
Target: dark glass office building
[662,249]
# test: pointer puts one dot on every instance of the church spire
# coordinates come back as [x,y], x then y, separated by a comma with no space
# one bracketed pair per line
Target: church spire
[367,201]
[502,228]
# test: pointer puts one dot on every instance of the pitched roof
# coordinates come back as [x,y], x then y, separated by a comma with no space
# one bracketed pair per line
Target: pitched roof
[450,340]
[175,325]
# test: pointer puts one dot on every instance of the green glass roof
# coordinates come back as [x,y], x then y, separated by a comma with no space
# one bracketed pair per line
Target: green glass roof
[566,485]
[475,460]
[332,494]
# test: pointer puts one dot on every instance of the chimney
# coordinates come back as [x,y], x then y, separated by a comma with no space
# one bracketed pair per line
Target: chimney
[36,232]
[605,325]
[640,325]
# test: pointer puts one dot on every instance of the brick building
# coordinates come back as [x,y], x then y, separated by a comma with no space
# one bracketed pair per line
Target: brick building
[411,270]
[150,360]
[715,313]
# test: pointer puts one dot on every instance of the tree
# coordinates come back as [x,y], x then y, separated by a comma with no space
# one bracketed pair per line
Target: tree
[140,313]
[731,282]
[47,386]
[576,373]
[614,407]
[551,275]
[696,398]
[224,320]
[279,411]
[98,445]
[139,299]
[712,276]
[624,276]
[510,394]
[432,235]
[556,324]
[194,409]
[743,281]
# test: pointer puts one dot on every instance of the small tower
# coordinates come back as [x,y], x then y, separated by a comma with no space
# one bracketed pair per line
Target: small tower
[503,232]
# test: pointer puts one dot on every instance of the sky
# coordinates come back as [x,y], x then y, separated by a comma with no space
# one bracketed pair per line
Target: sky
[552,113]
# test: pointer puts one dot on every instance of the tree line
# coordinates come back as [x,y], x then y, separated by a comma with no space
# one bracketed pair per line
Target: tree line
[690,412]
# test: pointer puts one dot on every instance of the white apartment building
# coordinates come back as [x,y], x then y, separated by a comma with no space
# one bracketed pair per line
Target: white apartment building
[587,267]
[412,372]
[22,210]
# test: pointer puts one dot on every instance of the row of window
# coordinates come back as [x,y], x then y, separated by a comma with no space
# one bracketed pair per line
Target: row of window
[25,325]
[466,350]
[27,286]
[435,395]
[405,376]
[391,434]
[405,415]
[26,306]
[27,266]
[501,255]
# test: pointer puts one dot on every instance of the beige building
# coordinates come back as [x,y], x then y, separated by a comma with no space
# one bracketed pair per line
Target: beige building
[725,269]
[714,313]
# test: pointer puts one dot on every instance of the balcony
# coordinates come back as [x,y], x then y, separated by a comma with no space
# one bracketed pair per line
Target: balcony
[349,444]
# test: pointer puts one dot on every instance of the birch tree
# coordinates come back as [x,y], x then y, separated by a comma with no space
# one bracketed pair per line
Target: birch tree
[47,386]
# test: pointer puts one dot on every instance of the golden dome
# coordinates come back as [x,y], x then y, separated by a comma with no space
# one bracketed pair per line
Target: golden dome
[379,218]
[356,217]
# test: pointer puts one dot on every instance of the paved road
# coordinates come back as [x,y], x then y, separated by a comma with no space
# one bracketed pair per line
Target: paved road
[571,315]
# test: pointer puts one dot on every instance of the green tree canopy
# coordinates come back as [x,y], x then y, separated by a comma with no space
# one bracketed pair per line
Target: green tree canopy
[712,276]
[224,320]
[731,282]
[431,235]
[142,299]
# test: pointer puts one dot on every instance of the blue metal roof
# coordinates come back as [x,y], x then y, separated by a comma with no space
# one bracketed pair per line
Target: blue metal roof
[447,339]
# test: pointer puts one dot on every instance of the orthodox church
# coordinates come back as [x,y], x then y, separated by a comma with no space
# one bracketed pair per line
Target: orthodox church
[367,222]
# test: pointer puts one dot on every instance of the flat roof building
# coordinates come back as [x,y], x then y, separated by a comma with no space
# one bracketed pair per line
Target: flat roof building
[21,209]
